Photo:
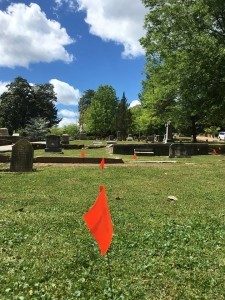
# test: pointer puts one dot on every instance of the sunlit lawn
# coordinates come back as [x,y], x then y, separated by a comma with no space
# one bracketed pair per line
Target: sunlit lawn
[161,249]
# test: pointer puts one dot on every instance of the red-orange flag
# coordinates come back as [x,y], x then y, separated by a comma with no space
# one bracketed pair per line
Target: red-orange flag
[99,222]
[102,164]
[134,156]
[82,154]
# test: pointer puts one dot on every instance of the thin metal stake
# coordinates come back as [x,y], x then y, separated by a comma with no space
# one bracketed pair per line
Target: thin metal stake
[110,277]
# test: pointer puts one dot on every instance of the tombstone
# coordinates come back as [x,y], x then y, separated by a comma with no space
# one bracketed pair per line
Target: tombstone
[111,137]
[22,157]
[65,139]
[159,138]
[118,136]
[178,150]
[53,143]
[4,132]
[169,134]
[150,138]
[130,137]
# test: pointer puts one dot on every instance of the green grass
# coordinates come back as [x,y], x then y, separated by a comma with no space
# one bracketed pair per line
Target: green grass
[160,250]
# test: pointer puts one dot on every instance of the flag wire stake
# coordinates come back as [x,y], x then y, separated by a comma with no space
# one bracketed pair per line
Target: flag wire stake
[110,276]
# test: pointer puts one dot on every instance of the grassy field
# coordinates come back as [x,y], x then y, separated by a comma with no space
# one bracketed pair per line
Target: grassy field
[160,250]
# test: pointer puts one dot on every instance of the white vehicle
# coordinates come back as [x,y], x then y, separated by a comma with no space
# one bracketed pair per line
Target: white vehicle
[221,135]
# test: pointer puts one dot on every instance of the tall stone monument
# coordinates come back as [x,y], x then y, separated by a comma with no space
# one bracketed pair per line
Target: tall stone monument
[22,157]
[169,133]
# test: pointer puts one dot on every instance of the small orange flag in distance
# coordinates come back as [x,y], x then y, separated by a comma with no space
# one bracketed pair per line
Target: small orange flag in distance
[82,153]
[134,156]
[99,222]
[102,164]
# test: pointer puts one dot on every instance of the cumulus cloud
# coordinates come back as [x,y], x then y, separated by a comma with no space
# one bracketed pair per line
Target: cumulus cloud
[135,103]
[27,36]
[117,20]
[72,4]
[66,93]
[3,87]
[66,113]
[67,121]
[68,117]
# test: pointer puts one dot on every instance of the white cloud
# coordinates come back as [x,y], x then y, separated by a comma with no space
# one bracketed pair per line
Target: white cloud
[72,4]
[68,117]
[66,93]
[67,121]
[66,113]
[134,103]
[117,20]
[3,87]
[27,36]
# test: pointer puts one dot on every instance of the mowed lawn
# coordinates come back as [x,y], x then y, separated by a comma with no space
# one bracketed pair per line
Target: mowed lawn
[161,249]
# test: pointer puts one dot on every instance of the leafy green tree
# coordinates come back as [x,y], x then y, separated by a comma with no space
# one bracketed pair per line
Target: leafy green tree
[100,117]
[15,104]
[185,49]
[37,129]
[45,103]
[123,117]
[71,129]
[23,102]
[84,103]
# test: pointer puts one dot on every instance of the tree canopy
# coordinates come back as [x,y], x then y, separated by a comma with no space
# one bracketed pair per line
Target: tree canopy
[123,117]
[23,102]
[100,117]
[84,103]
[185,71]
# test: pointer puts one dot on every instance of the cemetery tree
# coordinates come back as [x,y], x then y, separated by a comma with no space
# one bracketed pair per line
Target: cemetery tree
[37,129]
[123,117]
[23,102]
[100,117]
[84,103]
[185,43]
[45,103]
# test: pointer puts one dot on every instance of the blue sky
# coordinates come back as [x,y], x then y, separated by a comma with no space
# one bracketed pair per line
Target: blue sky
[74,44]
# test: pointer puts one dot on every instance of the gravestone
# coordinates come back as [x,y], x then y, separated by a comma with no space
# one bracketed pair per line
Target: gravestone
[4,132]
[150,138]
[22,157]
[169,134]
[178,150]
[65,139]
[159,138]
[53,143]
[118,136]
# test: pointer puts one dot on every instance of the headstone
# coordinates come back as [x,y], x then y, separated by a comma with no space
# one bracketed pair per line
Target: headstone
[53,143]
[130,137]
[169,134]
[65,139]
[118,136]
[178,150]
[159,138]
[150,138]
[22,157]
[4,132]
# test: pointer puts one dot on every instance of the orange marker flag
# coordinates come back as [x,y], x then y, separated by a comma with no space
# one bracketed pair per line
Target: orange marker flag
[82,153]
[134,156]
[99,222]
[102,164]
